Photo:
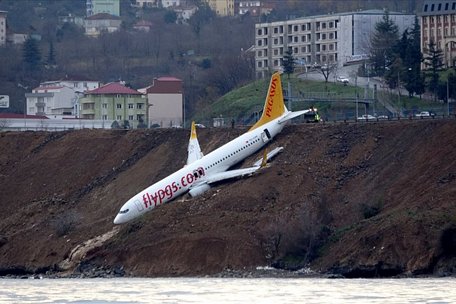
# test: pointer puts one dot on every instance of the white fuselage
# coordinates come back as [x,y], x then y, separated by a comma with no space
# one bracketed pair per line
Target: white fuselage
[195,173]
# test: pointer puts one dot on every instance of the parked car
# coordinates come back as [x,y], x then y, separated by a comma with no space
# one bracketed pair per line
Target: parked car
[382,117]
[367,117]
[342,79]
[425,114]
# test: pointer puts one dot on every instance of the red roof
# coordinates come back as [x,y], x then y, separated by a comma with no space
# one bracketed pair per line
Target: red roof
[168,78]
[15,115]
[113,88]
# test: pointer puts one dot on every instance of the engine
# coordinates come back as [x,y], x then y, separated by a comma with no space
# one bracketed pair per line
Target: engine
[198,190]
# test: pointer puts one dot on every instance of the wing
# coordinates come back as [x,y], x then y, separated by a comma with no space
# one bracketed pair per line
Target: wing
[194,150]
[230,174]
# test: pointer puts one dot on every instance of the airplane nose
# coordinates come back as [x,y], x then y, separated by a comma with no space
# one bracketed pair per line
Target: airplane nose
[118,220]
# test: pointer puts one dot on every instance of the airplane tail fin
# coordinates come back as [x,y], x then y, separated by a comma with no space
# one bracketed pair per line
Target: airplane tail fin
[194,150]
[274,105]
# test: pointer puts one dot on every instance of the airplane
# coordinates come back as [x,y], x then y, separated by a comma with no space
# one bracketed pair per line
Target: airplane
[201,170]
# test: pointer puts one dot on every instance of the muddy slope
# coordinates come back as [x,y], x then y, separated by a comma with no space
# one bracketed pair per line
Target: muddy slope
[356,199]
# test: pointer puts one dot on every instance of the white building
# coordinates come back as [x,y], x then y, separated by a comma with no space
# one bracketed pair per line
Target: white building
[171,3]
[319,39]
[96,24]
[2,27]
[57,99]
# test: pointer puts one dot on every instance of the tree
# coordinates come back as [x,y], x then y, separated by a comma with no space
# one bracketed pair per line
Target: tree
[327,69]
[288,63]
[51,55]
[433,62]
[382,44]
[31,55]
[414,81]
[170,17]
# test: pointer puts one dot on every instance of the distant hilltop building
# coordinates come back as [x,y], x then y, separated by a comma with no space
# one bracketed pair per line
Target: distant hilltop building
[2,27]
[222,7]
[438,24]
[319,39]
[253,7]
[96,24]
[111,7]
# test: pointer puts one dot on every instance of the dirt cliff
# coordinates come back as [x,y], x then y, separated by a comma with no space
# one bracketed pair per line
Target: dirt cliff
[360,200]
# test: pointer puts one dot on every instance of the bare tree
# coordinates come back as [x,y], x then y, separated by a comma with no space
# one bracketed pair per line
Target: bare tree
[327,69]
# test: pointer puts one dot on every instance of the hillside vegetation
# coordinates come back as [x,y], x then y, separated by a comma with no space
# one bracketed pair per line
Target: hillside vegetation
[208,53]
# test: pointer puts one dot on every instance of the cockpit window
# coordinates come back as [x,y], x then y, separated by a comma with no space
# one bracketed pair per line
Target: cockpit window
[124,211]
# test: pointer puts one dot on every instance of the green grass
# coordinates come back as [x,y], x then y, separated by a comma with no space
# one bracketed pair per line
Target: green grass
[245,100]
[242,102]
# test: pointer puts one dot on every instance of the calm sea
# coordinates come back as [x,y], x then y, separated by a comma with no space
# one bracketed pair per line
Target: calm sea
[215,290]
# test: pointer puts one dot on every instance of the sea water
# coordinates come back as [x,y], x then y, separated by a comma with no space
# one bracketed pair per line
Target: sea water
[228,290]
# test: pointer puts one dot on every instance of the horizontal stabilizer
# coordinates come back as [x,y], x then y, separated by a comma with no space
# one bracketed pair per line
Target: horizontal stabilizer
[269,156]
[291,115]
[230,174]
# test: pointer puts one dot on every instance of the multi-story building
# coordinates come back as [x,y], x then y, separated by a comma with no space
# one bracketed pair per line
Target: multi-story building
[438,25]
[253,7]
[2,27]
[114,101]
[165,97]
[111,7]
[222,7]
[57,99]
[319,39]
[102,22]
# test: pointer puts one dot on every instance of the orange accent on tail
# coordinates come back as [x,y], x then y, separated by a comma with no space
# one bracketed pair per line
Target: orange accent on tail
[274,106]
[193,131]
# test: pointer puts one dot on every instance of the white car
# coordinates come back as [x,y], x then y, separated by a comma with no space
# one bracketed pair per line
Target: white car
[342,79]
[367,117]
[424,114]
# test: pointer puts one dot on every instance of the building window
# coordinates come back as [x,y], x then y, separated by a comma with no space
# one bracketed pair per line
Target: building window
[104,106]
[140,117]
[260,53]
[119,117]
[130,117]
[259,32]
[139,106]
[104,117]
[119,106]
[131,106]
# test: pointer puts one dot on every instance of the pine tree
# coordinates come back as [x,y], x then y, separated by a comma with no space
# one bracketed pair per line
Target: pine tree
[288,63]
[51,55]
[433,61]
[31,55]
[382,44]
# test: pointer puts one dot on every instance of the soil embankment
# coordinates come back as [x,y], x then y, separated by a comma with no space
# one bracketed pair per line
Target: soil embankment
[360,200]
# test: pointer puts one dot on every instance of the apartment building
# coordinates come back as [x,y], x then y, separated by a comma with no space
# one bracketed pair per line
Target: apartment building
[114,101]
[222,7]
[102,22]
[57,99]
[438,24]
[319,39]
[2,27]
[166,100]
[111,7]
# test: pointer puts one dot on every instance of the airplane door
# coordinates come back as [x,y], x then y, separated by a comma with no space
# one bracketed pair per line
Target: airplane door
[139,205]
[265,135]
